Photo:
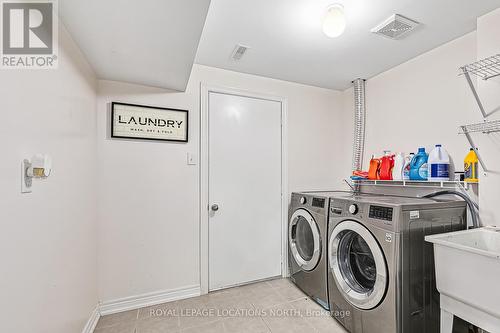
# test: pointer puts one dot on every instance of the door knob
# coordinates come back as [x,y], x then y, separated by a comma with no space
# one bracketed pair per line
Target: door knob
[215,207]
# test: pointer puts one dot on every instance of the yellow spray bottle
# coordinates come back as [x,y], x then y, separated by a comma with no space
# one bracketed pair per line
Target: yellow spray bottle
[471,167]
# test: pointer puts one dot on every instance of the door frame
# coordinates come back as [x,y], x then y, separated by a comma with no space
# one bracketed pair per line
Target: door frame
[205,90]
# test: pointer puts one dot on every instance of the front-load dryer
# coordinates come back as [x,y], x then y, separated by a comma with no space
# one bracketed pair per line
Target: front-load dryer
[307,241]
[380,269]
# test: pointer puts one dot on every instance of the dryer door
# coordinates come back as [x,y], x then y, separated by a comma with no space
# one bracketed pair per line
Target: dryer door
[304,240]
[357,264]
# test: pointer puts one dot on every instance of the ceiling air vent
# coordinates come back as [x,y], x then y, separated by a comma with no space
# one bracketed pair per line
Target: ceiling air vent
[395,27]
[239,52]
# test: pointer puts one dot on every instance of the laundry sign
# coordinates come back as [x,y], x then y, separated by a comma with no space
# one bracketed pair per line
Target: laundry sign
[148,122]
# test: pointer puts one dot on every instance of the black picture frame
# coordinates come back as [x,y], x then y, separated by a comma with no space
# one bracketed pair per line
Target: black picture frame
[113,104]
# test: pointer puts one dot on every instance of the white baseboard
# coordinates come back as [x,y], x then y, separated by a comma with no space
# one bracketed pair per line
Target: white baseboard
[149,299]
[92,322]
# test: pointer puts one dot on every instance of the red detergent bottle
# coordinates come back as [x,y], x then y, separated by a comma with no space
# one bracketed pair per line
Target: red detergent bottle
[386,166]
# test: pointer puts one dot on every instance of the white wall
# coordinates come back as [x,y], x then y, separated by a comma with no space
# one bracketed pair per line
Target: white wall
[148,196]
[488,30]
[48,237]
[419,103]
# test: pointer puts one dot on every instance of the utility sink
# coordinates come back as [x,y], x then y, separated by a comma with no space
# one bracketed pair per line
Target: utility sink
[468,276]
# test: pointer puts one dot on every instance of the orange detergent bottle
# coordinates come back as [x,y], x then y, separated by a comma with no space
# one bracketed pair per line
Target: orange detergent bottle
[373,172]
[386,166]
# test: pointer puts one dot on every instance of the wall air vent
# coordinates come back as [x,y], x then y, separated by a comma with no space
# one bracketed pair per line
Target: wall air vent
[395,27]
[239,52]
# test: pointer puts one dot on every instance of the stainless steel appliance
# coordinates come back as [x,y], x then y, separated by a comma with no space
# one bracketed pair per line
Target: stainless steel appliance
[307,241]
[381,271]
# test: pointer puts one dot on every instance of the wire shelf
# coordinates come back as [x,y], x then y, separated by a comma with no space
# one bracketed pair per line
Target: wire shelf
[486,68]
[484,127]
[425,183]
[410,183]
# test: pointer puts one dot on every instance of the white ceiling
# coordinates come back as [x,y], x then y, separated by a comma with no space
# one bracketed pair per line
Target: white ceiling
[150,42]
[287,42]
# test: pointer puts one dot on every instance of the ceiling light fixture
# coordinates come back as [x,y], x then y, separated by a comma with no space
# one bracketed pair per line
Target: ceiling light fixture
[334,21]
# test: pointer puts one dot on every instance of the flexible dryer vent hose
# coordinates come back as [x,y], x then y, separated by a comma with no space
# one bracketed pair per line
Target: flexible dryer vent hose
[359,124]
[470,203]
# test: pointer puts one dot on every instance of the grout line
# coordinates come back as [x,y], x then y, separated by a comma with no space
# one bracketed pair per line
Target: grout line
[268,328]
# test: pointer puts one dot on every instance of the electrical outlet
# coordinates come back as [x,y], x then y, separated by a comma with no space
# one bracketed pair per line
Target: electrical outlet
[26,181]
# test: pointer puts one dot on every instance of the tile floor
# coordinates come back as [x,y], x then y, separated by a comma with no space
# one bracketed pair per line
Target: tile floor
[272,306]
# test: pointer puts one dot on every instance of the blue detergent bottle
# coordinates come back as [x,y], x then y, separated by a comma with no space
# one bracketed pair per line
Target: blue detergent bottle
[418,165]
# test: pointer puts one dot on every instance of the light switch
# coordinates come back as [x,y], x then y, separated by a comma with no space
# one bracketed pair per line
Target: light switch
[192,159]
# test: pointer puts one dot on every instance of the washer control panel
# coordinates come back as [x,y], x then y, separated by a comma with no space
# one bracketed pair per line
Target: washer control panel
[381,213]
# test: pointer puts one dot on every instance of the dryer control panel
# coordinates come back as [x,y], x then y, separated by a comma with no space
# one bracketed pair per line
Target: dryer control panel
[318,202]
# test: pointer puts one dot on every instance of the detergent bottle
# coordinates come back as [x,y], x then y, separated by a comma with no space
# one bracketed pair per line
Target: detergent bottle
[471,165]
[399,164]
[418,165]
[386,166]
[439,164]
[373,172]
[406,168]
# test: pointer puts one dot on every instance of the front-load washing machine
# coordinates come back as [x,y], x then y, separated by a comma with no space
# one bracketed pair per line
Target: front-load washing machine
[307,241]
[381,271]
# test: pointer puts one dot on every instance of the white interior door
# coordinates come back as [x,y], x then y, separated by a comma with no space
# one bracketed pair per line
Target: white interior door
[244,189]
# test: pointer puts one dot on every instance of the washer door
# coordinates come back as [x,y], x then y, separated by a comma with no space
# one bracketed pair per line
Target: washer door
[357,264]
[304,240]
